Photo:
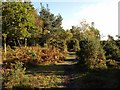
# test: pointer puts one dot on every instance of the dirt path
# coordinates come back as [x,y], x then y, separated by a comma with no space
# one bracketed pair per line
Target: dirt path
[69,73]
[69,77]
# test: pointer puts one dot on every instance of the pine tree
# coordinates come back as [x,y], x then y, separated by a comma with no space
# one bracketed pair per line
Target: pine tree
[91,53]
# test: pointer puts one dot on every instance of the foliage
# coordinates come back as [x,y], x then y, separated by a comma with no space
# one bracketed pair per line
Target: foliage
[111,63]
[118,43]
[18,20]
[112,50]
[59,40]
[51,22]
[52,30]
[76,31]
[37,32]
[35,55]
[108,78]
[73,44]
[91,53]
[95,30]
[14,76]
[48,81]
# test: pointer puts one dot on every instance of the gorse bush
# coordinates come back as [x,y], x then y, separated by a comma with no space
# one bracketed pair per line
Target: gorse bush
[35,55]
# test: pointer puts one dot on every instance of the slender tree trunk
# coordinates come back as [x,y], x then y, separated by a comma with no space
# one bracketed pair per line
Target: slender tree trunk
[65,46]
[5,47]
[25,42]
[5,37]
[14,42]
[34,43]
[19,42]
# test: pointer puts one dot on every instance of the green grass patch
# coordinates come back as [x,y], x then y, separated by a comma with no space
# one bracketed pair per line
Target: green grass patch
[54,69]
[72,53]
[47,81]
[42,81]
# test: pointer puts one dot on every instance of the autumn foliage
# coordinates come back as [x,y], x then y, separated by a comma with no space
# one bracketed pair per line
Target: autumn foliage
[35,55]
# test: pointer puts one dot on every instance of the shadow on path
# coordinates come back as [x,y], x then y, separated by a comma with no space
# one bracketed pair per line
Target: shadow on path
[66,70]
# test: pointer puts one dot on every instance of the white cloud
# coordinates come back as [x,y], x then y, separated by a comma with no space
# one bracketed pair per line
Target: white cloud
[88,1]
[66,24]
[104,14]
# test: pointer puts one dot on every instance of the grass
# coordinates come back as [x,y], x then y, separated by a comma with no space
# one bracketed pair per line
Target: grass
[77,78]
[70,75]
[71,55]
[47,81]
[51,76]
[108,78]
[48,76]
[41,81]
[54,69]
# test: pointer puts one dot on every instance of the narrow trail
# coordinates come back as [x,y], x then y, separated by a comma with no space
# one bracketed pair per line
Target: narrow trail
[69,73]
[69,77]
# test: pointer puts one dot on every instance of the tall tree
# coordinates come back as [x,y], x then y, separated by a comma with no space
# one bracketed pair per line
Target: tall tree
[18,20]
[51,24]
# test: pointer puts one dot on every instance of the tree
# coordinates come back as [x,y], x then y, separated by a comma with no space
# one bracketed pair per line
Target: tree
[112,50]
[91,53]
[18,20]
[66,36]
[76,31]
[51,25]
[4,37]
[73,44]
[0,23]
[59,39]
[95,30]
[37,31]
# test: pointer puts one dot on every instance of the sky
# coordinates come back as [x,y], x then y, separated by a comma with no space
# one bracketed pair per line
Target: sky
[104,13]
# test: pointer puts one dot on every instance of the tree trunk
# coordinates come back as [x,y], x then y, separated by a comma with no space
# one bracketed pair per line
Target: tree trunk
[25,42]
[14,42]
[5,48]
[65,46]
[19,42]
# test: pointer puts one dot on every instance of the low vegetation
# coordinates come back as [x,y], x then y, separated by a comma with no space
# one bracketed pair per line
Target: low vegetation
[16,78]
[35,48]
[35,56]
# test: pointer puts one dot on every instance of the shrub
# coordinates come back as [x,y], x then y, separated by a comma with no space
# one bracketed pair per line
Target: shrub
[35,55]
[111,62]
[13,76]
[73,45]
[111,48]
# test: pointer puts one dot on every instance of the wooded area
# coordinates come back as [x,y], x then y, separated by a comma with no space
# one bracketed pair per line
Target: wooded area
[38,53]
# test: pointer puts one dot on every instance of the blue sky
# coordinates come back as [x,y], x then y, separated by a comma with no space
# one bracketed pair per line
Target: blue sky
[103,12]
